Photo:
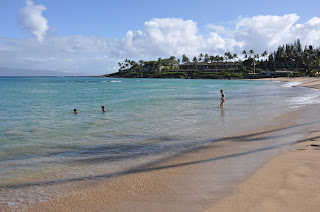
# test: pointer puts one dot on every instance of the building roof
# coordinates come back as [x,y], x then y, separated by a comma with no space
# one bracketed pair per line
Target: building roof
[214,63]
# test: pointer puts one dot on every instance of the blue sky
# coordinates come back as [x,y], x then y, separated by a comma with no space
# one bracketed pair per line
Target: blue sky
[93,36]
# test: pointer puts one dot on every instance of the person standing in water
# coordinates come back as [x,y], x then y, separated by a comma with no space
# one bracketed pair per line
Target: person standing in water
[223,98]
[103,110]
[75,111]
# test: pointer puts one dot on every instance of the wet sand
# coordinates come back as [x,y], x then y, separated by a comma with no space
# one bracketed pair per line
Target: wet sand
[192,180]
[288,182]
[310,82]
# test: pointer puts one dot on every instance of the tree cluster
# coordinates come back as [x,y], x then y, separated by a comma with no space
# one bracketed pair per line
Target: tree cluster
[287,57]
[294,57]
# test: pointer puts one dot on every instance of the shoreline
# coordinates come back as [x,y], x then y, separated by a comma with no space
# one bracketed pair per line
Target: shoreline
[180,183]
[287,182]
[172,184]
[309,82]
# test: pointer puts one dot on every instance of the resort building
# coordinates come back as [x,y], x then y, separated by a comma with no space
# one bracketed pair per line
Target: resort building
[210,67]
[280,73]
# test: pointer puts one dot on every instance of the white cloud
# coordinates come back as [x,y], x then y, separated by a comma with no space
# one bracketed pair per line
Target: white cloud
[159,38]
[31,18]
[82,54]
[162,37]
[218,28]
[262,32]
[308,32]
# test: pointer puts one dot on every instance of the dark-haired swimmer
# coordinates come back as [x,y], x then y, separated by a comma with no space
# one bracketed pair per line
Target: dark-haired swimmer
[223,98]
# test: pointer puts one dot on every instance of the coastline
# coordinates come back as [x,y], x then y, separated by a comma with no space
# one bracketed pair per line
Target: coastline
[172,184]
[310,82]
[182,183]
[287,182]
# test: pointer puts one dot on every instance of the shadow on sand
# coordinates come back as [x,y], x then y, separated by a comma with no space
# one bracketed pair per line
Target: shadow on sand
[157,165]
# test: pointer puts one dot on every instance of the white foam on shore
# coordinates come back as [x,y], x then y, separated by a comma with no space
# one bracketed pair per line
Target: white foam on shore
[296,106]
[291,84]
[311,98]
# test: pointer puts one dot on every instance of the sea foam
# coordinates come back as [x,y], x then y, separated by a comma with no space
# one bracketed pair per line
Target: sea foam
[291,84]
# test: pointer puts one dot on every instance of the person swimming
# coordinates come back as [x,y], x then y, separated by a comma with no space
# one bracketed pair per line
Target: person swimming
[75,111]
[103,110]
[223,98]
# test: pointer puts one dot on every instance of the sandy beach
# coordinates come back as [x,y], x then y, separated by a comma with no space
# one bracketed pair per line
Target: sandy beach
[186,182]
[310,82]
[288,182]
[179,183]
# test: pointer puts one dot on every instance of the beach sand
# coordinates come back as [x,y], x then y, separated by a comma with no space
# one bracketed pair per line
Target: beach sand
[288,182]
[185,182]
[181,183]
[310,82]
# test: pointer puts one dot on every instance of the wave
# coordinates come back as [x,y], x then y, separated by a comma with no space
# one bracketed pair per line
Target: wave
[291,84]
[114,81]
[307,99]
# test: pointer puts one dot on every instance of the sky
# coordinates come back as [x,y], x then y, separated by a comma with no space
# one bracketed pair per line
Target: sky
[92,36]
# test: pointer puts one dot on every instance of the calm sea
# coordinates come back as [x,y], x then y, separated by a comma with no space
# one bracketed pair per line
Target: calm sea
[41,137]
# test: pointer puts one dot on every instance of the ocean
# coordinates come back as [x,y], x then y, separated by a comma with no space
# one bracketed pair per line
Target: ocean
[42,140]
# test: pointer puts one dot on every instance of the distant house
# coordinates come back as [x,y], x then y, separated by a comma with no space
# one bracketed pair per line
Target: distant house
[161,67]
[148,66]
[280,73]
[210,67]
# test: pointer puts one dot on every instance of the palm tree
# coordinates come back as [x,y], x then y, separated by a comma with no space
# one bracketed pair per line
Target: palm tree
[228,56]
[172,60]
[234,56]
[244,52]
[194,59]
[120,66]
[264,54]
[133,63]
[185,59]
[212,58]
[200,56]
[251,52]
[220,58]
[206,58]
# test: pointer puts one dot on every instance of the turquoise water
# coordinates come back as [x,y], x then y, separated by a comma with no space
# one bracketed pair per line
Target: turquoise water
[145,118]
